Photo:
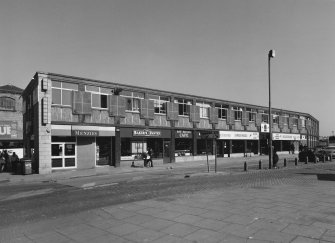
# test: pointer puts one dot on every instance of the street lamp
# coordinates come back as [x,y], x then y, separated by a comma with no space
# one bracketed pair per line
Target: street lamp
[270,55]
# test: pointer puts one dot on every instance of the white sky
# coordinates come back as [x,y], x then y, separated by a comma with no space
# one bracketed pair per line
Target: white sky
[212,48]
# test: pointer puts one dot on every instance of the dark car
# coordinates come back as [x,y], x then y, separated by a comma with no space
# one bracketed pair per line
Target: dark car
[307,153]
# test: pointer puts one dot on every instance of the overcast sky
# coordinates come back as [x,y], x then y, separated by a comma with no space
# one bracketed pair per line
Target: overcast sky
[211,48]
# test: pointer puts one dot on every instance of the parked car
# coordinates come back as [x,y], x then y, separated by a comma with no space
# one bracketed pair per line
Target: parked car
[308,153]
[321,154]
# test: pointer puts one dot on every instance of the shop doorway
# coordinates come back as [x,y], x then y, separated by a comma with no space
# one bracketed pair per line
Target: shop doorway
[103,151]
[166,152]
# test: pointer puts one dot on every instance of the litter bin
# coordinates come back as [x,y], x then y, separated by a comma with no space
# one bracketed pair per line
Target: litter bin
[26,166]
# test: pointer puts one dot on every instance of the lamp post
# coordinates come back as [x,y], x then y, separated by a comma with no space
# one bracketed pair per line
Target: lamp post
[270,55]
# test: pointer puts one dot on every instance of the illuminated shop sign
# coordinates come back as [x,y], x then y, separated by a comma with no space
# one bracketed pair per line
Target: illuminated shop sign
[239,135]
[146,133]
[286,136]
[84,133]
[8,130]
[183,134]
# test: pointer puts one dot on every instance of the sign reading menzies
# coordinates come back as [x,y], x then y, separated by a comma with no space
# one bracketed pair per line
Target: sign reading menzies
[146,133]
[84,133]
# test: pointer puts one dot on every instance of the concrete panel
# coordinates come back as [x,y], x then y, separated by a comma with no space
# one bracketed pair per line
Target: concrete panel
[85,152]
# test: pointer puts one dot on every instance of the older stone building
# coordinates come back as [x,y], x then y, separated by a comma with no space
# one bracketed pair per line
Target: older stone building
[76,123]
[11,136]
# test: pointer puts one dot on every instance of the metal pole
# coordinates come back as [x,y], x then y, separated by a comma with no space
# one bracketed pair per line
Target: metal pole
[270,55]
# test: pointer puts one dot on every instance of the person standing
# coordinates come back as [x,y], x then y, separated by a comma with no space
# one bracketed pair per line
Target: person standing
[2,162]
[149,158]
[275,159]
[15,161]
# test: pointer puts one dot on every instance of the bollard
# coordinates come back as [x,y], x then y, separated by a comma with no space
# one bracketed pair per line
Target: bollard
[285,162]
[296,161]
[260,164]
[324,158]
[306,160]
[315,160]
[245,166]
[331,157]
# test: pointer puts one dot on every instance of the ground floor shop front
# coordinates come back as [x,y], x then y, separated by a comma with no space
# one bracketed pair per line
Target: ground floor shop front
[82,147]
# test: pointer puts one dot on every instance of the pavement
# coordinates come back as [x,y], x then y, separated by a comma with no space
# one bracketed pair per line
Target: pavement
[295,209]
[235,163]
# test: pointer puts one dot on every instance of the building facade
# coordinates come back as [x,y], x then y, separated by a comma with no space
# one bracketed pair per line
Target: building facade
[11,130]
[74,123]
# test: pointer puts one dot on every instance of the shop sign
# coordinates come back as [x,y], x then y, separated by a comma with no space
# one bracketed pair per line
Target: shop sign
[286,136]
[239,135]
[85,133]
[183,134]
[265,127]
[303,137]
[146,133]
[8,130]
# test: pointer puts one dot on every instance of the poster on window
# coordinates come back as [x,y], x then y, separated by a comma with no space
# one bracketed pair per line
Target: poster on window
[138,147]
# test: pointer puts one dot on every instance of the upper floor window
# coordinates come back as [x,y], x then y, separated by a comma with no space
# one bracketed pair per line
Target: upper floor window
[303,121]
[61,93]
[159,103]
[183,106]
[99,96]
[252,114]
[295,120]
[265,116]
[203,109]
[285,119]
[7,103]
[237,113]
[275,118]
[132,100]
[222,111]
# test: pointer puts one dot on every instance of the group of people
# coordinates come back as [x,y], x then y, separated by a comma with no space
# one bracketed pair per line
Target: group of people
[8,163]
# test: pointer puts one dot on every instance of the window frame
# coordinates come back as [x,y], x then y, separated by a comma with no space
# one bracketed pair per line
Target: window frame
[252,114]
[204,109]
[7,103]
[160,103]
[61,88]
[100,93]
[237,113]
[183,106]
[222,111]
[131,99]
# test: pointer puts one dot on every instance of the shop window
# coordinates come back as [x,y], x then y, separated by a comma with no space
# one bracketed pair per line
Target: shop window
[159,103]
[132,100]
[237,113]
[99,96]
[252,114]
[204,107]
[183,106]
[63,155]
[61,93]
[222,111]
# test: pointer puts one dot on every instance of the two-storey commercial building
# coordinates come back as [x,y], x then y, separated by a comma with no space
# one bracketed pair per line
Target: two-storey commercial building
[74,123]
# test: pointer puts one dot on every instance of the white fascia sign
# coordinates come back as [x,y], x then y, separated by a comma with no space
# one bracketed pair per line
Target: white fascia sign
[239,135]
[286,136]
